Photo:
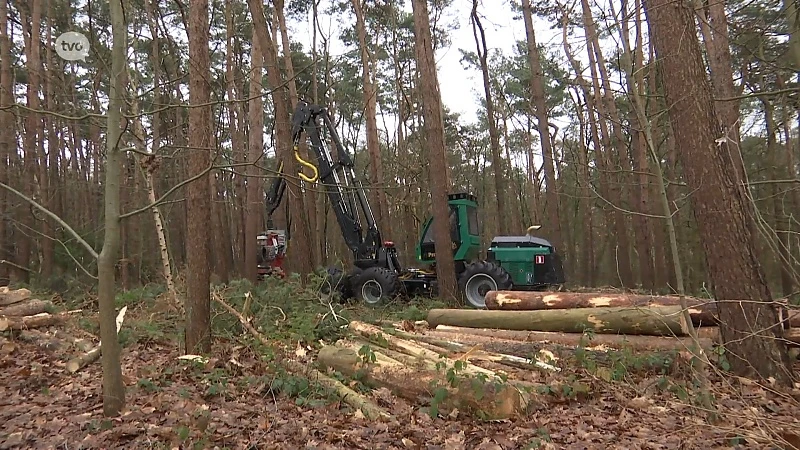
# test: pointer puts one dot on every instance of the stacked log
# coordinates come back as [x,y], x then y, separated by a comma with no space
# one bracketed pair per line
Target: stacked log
[420,369]
[703,312]
[19,311]
[614,319]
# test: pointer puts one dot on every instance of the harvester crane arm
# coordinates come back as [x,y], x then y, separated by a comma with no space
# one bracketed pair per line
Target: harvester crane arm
[346,193]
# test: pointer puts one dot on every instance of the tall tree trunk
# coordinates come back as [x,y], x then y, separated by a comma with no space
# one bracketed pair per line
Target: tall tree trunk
[113,387]
[502,218]
[540,108]
[310,193]
[30,139]
[370,112]
[434,134]
[714,28]
[721,205]
[198,205]
[47,168]
[7,134]
[298,259]
[255,192]
[616,171]
[245,265]
[777,241]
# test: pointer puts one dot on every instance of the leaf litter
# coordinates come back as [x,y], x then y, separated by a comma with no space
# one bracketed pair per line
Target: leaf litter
[238,400]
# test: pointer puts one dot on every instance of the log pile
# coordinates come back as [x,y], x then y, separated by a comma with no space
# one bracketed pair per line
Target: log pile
[25,316]
[431,372]
[19,311]
[641,322]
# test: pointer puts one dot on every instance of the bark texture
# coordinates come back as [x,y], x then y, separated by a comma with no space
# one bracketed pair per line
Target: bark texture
[703,312]
[653,321]
[720,204]
[198,207]
[434,134]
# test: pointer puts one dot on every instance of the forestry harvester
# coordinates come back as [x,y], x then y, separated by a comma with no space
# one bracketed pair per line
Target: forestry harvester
[511,262]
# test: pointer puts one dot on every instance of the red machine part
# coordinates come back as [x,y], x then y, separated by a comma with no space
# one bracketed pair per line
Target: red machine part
[272,246]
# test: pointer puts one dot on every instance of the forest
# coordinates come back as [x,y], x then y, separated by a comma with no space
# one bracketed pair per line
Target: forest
[622,176]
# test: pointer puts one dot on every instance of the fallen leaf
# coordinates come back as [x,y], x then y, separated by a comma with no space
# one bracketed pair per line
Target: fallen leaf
[300,352]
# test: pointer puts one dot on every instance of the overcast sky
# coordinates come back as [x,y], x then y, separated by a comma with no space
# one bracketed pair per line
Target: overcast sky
[461,88]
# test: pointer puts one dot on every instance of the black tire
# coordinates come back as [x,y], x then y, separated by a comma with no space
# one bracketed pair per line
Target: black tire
[376,285]
[480,277]
[337,282]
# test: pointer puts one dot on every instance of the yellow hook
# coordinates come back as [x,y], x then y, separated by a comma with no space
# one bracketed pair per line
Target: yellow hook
[313,168]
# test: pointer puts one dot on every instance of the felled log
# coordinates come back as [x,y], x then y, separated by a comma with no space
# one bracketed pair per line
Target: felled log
[455,349]
[634,342]
[82,344]
[651,320]
[79,362]
[35,321]
[27,308]
[42,340]
[377,335]
[492,400]
[9,297]
[349,396]
[703,312]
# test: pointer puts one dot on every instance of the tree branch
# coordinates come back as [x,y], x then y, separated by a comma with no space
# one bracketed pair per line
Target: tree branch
[53,216]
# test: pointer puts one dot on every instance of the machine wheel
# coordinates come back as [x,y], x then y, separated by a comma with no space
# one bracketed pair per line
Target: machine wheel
[376,285]
[479,278]
[336,281]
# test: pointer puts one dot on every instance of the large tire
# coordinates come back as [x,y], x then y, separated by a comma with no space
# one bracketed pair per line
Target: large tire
[376,285]
[337,282]
[479,278]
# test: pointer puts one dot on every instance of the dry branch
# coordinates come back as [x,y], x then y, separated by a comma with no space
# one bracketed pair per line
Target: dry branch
[635,342]
[349,396]
[703,312]
[9,297]
[35,321]
[27,308]
[652,320]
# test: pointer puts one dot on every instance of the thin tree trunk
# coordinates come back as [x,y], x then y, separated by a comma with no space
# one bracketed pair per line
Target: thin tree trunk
[31,137]
[255,145]
[501,218]
[540,109]
[370,96]
[113,387]
[298,259]
[308,201]
[7,134]
[605,105]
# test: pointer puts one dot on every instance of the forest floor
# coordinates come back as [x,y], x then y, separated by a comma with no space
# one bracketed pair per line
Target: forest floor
[241,399]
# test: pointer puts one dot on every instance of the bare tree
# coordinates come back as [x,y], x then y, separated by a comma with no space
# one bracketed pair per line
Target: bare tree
[502,218]
[113,387]
[540,109]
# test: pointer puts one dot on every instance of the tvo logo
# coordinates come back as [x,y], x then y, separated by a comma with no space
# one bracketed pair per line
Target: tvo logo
[72,46]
